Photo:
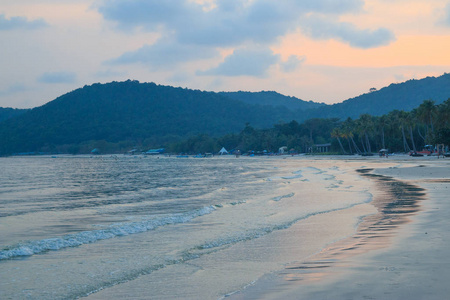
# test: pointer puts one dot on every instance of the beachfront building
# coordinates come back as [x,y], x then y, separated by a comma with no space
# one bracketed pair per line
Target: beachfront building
[321,148]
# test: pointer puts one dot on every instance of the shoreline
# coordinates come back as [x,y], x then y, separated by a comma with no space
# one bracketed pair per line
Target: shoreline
[282,229]
[366,207]
[391,256]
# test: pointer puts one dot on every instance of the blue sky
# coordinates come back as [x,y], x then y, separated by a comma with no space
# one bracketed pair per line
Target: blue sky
[320,50]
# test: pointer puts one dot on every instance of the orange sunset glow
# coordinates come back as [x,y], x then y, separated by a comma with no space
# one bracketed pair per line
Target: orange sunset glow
[296,47]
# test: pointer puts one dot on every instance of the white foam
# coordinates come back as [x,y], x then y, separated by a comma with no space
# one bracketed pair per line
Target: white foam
[283,196]
[214,245]
[297,174]
[88,237]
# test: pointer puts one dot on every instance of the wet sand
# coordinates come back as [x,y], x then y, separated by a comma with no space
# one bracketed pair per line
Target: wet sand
[400,252]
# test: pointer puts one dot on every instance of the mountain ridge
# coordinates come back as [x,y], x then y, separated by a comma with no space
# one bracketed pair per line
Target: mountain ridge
[272,98]
[397,96]
[8,112]
[131,112]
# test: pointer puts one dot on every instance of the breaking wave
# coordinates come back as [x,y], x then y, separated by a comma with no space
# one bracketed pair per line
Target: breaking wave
[88,237]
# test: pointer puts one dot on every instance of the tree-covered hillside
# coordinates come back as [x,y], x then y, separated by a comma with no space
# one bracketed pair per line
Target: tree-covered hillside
[399,96]
[397,131]
[140,113]
[120,115]
[8,113]
[273,99]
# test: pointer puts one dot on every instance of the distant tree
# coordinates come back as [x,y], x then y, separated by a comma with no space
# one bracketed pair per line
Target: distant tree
[336,133]
[425,114]
[365,126]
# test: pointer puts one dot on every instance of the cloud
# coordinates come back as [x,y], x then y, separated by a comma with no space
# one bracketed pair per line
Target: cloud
[57,77]
[149,14]
[399,77]
[447,15]
[320,28]
[180,77]
[330,6]
[229,23]
[245,62]
[20,23]
[165,54]
[13,89]
[109,73]
[193,31]
[292,63]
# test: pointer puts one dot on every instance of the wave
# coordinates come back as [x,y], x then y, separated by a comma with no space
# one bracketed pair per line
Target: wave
[297,174]
[212,246]
[220,243]
[283,196]
[317,170]
[87,237]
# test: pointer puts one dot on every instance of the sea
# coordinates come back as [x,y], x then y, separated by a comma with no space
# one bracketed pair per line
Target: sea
[160,227]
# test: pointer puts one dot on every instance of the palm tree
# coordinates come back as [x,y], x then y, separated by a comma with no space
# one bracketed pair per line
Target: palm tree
[337,133]
[365,127]
[425,114]
[443,123]
[349,127]
[403,119]
[346,134]
[443,114]
[346,130]
[381,124]
[411,121]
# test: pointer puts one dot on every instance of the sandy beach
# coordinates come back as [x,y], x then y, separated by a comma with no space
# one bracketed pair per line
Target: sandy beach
[400,252]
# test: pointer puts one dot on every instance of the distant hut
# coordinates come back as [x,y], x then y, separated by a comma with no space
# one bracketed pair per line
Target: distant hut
[95,151]
[282,150]
[322,148]
[223,151]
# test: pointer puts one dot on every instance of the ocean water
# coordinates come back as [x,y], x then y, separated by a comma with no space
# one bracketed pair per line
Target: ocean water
[163,227]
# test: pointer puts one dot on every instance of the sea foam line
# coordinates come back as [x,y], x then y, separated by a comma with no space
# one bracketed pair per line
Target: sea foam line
[297,174]
[252,234]
[283,196]
[220,243]
[87,237]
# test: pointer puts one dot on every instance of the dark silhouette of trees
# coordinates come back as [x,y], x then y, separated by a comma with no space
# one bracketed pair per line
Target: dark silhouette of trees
[120,116]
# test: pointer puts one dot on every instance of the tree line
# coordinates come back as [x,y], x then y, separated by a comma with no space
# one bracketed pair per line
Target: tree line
[397,131]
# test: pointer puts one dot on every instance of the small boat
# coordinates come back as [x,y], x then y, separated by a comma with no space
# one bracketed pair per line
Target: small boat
[427,150]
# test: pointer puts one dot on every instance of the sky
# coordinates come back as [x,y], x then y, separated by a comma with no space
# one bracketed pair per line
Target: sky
[320,50]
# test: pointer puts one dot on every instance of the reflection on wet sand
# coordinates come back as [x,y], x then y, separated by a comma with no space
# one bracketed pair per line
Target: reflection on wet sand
[395,201]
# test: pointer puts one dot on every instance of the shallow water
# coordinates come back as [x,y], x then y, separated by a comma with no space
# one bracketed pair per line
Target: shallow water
[149,227]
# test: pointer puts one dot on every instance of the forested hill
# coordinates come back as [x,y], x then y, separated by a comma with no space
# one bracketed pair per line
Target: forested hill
[8,113]
[272,98]
[399,96]
[131,113]
[140,113]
